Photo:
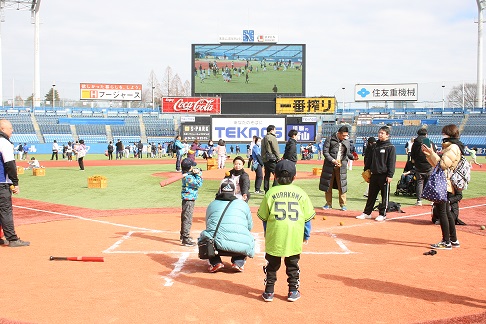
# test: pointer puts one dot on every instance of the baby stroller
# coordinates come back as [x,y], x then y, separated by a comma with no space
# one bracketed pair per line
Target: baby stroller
[407,185]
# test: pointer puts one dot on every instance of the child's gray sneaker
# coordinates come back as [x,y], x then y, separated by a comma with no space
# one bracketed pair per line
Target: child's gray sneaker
[18,243]
[293,295]
[268,297]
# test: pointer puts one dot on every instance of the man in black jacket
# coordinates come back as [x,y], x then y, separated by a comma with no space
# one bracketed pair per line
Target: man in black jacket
[382,166]
[270,156]
[334,172]
[9,183]
[290,152]
[119,149]
[423,169]
[140,149]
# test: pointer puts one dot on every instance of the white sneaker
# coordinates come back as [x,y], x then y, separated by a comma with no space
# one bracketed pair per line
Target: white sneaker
[380,218]
[363,216]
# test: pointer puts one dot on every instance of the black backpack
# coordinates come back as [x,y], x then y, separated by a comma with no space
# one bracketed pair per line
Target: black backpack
[392,207]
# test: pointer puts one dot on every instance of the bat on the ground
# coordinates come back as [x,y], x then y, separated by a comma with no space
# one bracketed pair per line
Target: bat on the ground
[81,258]
[168,181]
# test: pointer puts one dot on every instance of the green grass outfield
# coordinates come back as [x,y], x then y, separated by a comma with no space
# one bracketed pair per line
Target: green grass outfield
[136,187]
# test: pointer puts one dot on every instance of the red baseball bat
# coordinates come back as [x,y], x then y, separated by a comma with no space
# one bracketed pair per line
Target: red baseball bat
[85,259]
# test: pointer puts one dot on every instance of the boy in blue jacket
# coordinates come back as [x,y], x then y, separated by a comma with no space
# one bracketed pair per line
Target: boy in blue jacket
[191,182]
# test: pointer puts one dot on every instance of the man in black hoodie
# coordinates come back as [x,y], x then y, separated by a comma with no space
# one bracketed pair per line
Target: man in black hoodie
[423,169]
[381,162]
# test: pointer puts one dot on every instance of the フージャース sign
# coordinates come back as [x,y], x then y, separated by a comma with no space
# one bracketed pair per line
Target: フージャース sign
[108,91]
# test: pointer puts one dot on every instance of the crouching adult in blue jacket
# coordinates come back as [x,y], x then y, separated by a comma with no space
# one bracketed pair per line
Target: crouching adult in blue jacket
[233,237]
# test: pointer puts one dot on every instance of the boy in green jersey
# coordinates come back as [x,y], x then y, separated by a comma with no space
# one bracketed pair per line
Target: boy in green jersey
[286,211]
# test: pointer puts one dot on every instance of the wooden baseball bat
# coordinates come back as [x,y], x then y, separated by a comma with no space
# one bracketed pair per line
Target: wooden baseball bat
[85,259]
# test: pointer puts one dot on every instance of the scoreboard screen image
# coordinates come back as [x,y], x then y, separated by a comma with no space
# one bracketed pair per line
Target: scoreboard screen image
[248,69]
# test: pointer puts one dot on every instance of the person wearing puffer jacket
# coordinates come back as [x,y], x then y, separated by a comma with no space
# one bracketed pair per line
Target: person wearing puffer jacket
[233,237]
[452,149]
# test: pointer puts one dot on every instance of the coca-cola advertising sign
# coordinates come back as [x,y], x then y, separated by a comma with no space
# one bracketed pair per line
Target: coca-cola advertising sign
[192,105]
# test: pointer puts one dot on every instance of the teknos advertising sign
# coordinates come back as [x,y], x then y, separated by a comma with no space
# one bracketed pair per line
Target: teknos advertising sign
[193,105]
[234,129]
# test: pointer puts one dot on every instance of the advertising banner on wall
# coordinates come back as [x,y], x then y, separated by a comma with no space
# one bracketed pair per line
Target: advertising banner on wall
[290,106]
[307,132]
[196,128]
[386,92]
[248,36]
[107,91]
[191,132]
[192,105]
[235,129]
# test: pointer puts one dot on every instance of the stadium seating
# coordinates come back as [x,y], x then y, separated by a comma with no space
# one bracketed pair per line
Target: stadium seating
[159,127]
[24,138]
[131,125]
[60,138]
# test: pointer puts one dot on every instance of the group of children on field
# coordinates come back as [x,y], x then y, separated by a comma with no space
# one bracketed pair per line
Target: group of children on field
[286,212]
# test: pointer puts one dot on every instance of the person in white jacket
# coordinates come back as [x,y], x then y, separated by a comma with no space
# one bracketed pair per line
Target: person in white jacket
[55,150]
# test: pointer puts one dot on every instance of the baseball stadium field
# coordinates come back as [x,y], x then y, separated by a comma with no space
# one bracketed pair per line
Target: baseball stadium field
[352,271]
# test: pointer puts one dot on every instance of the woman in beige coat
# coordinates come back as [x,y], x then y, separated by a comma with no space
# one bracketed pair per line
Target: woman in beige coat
[452,149]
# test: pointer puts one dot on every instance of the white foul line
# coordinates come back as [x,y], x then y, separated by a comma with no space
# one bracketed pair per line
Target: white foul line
[118,243]
[92,220]
[428,213]
[177,269]
[185,255]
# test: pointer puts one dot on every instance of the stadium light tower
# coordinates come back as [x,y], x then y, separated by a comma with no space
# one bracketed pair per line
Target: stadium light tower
[479,85]
[153,98]
[33,7]
[443,98]
[53,95]
[343,88]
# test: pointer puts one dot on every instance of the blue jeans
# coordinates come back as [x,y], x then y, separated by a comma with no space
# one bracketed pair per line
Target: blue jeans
[258,178]
[239,260]
[178,161]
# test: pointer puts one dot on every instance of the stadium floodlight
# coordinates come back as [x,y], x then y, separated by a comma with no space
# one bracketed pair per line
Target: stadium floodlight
[33,6]
[479,86]
[343,88]
[53,95]
[153,98]
[443,98]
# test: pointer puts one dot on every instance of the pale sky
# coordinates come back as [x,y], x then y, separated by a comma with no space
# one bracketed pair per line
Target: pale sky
[429,42]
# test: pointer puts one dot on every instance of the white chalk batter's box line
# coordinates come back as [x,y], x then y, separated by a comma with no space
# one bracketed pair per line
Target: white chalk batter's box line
[116,247]
[112,249]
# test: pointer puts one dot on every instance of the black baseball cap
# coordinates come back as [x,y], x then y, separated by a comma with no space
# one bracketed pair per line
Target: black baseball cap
[285,165]
[187,163]
[227,186]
